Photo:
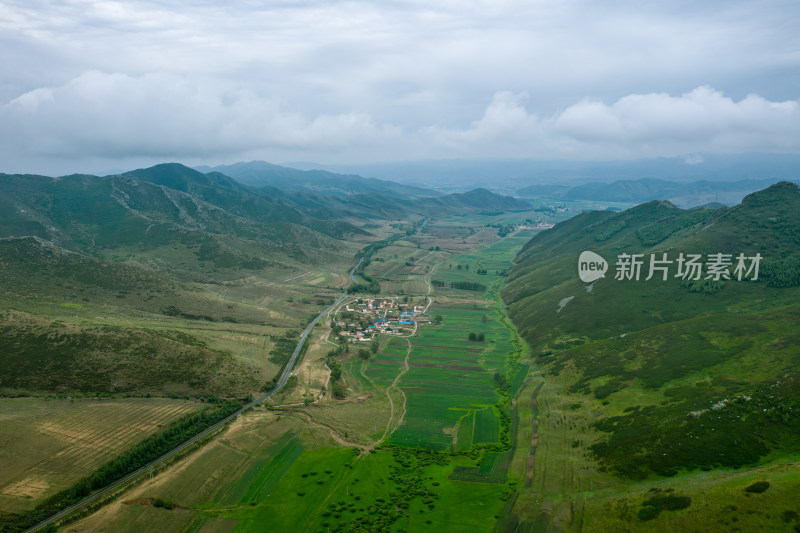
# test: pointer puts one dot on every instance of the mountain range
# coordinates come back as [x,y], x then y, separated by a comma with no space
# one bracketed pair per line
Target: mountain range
[512,174]
[174,214]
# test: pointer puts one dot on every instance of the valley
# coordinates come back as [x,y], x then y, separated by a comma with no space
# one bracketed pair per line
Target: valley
[468,380]
[384,420]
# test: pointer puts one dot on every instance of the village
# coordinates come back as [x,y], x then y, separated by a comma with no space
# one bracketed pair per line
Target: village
[361,319]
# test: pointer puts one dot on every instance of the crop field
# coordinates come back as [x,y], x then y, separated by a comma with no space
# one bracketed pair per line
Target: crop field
[223,470]
[487,426]
[388,363]
[265,472]
[49,444]
[450,374]
[401,266]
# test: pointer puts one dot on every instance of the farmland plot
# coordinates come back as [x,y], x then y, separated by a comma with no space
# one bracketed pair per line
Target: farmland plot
[450,374]
[49,444]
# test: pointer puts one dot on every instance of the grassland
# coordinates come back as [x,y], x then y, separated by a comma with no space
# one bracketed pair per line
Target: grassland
[659,404]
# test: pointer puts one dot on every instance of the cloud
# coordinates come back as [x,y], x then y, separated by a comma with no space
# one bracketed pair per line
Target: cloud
[167,116]
[702,120]
[637,125]
[505,122]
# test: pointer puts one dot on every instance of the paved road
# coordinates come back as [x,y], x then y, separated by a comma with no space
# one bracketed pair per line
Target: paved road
[287,372]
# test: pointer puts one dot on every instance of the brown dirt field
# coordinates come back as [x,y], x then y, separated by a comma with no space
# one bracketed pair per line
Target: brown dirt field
[32,486]
[56,442]
[140,501]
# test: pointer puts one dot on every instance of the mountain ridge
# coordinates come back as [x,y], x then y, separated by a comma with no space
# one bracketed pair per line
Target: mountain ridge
[654,356]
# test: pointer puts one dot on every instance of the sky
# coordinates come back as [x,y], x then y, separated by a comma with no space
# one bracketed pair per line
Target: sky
[87,86]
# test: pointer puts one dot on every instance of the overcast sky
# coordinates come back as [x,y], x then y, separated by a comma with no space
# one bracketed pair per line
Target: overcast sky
[88,86]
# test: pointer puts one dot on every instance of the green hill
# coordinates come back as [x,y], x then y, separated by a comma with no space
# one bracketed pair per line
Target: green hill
[694,373]
[189,223]
[261,174]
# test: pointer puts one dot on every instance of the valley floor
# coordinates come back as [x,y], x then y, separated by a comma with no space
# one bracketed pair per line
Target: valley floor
[437,430]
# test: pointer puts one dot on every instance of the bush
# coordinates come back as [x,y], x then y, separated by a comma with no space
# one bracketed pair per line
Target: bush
[164,504]
[648,512]
[758,487]
[652,507]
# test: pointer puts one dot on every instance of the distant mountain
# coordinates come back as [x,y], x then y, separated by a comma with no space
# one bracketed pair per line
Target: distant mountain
[477,199]
[509,174]
[261,173]
[681,373]
[374,205]
[683,194]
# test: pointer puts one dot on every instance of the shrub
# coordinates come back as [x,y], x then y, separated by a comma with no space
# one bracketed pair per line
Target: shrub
[648,512]
[758,487]
[165,504]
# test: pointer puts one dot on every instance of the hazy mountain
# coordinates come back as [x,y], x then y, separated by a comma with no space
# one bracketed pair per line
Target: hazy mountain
[464,174]
[261,173]
[682,194]
[477,199]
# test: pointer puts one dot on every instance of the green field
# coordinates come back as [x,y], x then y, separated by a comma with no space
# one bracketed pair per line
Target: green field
[450,374]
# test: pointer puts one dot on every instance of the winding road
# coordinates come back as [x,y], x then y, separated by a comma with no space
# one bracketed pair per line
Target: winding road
[287,372]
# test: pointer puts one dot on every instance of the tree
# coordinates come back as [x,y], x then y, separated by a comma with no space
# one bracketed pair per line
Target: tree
[472,336]
[363,354]
[438,319]
[375,345]
[481,337]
